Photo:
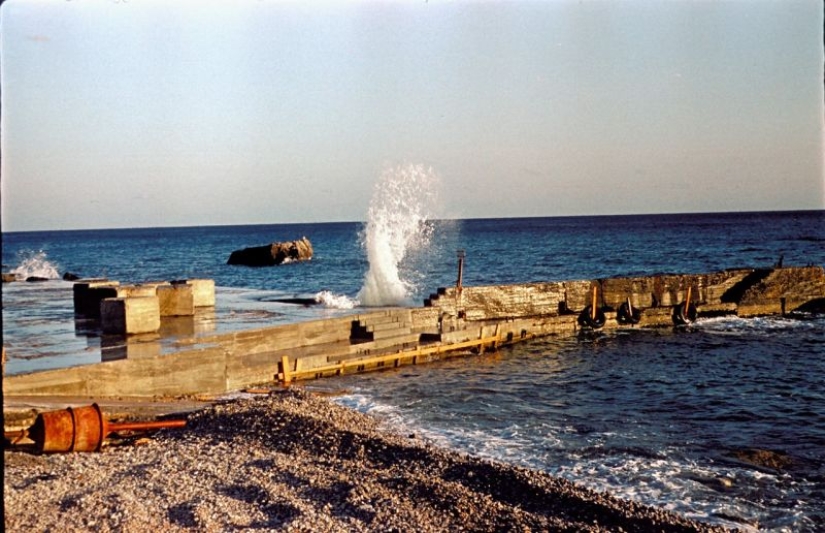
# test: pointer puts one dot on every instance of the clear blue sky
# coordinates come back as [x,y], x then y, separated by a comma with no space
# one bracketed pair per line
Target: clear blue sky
[165,113]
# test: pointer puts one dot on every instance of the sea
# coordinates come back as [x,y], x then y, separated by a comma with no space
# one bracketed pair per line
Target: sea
[666,417]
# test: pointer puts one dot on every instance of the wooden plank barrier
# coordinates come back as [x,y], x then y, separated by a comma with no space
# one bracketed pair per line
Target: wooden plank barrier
[287,374]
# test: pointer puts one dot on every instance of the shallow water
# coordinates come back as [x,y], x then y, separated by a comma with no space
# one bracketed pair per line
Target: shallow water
[659,416]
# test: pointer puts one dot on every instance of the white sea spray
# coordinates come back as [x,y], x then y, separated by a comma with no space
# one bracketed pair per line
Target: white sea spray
[35,264]
[398,225]
[335,301]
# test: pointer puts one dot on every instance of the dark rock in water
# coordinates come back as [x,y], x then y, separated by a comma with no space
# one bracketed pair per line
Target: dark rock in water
[8,277]
[68,276]
[36,279]
[272,254]
[764,458]
[306,302]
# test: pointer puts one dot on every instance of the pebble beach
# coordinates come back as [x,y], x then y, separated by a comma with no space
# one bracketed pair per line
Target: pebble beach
[294,461]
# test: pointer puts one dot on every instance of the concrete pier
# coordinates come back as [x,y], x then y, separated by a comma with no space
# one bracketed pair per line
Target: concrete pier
[452,321]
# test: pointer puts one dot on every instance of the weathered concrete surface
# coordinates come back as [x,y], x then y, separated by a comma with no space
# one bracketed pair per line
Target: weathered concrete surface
[88,294]
[743,291]
[779,291]
[201,370]
[272,254]
[176,300]
[143,289]
[216,363]
[130,316]
[203,291]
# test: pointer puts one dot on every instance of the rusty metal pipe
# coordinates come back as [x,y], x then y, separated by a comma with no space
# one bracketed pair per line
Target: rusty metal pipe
[145,426]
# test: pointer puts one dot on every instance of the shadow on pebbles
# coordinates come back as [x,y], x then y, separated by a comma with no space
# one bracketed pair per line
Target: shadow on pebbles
[292,461]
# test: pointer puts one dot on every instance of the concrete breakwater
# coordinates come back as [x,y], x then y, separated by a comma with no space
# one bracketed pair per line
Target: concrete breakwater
[453,321]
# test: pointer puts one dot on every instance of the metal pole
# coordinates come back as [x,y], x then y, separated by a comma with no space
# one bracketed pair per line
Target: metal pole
[460,271]
[593,307]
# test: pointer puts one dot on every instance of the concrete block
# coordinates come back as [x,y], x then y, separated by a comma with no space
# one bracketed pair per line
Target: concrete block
[130,316]
[130,291]
[176,300]
[88,294]
[203,291]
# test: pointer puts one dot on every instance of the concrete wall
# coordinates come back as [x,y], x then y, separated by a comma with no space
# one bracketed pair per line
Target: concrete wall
[215,363]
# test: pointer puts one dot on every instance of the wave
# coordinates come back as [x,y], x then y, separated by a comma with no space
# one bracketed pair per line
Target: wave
[35,264]
[336,301]
[733,325]
[398,225]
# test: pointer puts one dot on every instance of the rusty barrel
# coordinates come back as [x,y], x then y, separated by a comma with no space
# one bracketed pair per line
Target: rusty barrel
[79,429]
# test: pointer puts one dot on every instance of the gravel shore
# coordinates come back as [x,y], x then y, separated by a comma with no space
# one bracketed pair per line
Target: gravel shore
[292,461]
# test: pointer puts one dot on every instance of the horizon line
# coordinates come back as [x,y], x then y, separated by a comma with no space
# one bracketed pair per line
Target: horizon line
[613,215]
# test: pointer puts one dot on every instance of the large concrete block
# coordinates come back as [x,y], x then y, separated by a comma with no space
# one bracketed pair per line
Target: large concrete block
[176,300]
[88,294]
[130,291]
[203,291]
[130,316]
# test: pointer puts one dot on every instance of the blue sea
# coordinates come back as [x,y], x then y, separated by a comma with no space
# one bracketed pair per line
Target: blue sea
[660,416]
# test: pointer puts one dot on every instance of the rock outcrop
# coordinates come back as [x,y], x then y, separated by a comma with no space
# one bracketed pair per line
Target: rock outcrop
[272,254]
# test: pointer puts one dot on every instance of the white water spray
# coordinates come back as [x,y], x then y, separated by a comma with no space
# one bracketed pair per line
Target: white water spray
[35,264]
[398,223]
[335,301]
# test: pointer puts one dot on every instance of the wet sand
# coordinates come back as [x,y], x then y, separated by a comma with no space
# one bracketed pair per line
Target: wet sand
[293,461]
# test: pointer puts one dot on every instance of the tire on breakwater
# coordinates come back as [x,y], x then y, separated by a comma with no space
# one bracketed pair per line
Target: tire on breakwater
[628,315]
[587,319]
[684,315]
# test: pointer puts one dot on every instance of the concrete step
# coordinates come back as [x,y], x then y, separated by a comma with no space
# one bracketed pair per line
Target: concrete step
[391,315]
[310,352]
[389,335]
[387,326]
[381,346]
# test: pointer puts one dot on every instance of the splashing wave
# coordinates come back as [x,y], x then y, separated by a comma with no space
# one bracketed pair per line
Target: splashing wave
[398,225]
[335,301]
[35,264]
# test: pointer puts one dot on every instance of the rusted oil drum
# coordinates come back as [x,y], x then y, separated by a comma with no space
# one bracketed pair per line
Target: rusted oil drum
[89,428]
[81,429]
[53,431]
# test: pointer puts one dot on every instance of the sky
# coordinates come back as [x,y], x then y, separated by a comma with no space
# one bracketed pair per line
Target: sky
[146,113]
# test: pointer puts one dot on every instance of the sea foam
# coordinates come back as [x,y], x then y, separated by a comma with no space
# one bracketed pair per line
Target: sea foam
[335,301]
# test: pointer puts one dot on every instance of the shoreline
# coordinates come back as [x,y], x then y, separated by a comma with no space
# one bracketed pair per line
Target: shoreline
[295,461]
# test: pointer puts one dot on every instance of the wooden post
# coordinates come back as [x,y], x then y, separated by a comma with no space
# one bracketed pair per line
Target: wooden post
[460,271]
[285,369]
[593,307]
